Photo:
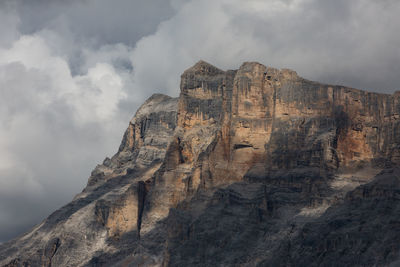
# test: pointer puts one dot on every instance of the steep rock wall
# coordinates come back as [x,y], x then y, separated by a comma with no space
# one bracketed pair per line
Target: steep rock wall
[236,171]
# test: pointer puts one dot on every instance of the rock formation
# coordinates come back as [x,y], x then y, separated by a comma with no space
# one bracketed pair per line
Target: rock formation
[248,167]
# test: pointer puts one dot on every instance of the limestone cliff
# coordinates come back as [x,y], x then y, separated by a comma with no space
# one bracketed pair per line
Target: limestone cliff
[248,167]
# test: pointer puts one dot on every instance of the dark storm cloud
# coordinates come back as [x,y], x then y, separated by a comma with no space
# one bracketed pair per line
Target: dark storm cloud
[104,21]
[347,42]
[72,73]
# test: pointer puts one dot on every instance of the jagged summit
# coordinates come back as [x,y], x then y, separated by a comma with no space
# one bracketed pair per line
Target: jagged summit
[154,104]
[203,68]
[249,167]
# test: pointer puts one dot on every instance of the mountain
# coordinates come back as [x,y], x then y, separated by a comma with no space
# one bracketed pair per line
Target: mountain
[248,167]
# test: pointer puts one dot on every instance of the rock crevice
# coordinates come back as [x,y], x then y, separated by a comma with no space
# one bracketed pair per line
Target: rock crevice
[248,167]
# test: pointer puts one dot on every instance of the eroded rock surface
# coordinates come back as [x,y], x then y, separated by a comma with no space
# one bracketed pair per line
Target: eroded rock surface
[248,167]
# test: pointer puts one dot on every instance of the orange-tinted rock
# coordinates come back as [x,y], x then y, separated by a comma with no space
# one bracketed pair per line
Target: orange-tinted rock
[237,171]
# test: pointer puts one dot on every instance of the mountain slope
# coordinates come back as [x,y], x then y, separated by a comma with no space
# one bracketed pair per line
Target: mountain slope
[255,166]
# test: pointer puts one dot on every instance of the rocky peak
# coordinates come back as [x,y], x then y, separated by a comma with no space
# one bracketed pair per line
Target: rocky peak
[248,167]
[144,142]
[154,104]
[203,68]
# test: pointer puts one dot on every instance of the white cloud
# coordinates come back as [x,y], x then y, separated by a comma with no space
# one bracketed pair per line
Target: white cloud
[66,97]
[55,126]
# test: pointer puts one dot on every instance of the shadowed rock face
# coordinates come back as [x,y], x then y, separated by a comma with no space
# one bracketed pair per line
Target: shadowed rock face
[248,167]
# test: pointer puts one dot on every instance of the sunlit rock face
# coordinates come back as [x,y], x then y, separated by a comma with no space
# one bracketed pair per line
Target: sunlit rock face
[255,166]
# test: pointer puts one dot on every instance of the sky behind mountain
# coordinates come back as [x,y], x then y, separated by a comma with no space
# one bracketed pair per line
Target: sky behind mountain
[72,73]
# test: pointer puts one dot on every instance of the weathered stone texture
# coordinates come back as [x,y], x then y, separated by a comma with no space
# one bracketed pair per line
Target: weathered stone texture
[248,167]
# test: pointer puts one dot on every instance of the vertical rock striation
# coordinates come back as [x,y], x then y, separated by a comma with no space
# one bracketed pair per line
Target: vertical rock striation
[247,167]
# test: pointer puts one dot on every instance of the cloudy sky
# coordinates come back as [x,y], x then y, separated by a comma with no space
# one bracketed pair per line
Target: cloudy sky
[73,72]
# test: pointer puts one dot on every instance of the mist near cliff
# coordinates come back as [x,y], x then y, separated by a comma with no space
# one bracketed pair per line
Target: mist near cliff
[72,73]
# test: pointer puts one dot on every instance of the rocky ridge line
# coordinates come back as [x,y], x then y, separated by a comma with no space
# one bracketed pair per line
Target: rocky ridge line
[247,167]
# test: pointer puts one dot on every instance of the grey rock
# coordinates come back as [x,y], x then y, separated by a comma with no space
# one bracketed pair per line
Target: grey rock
[248,167]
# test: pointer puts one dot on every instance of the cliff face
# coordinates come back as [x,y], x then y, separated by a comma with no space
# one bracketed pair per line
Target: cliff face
[255,166]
